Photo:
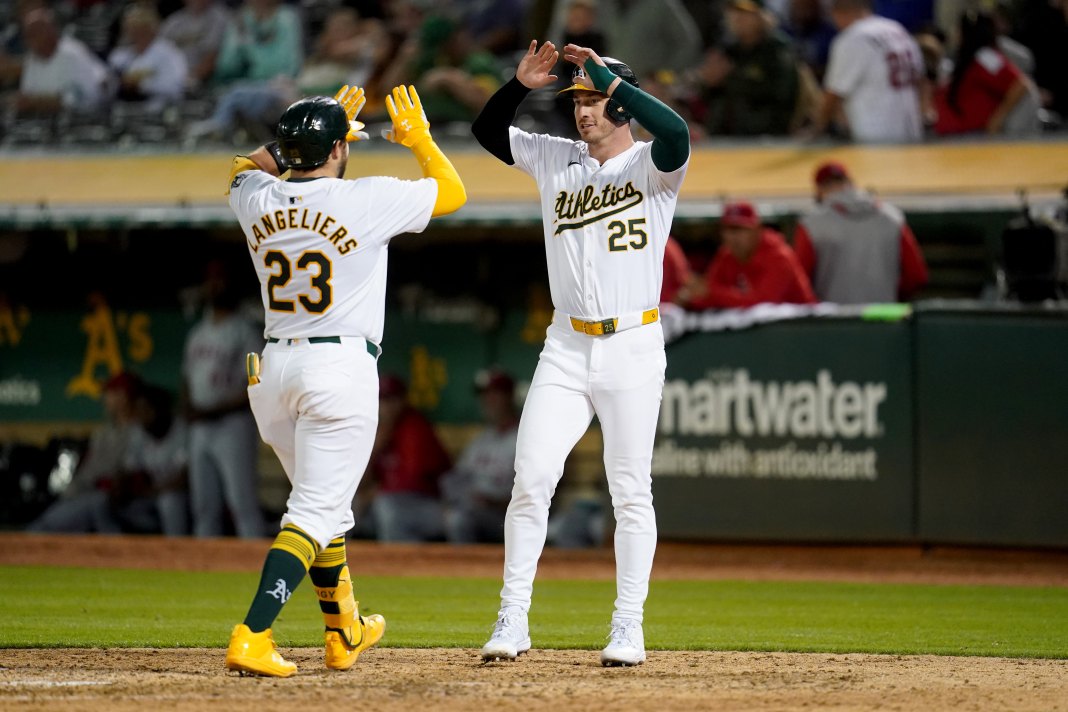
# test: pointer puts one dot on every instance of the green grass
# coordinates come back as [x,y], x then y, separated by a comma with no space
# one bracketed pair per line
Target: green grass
[47,607]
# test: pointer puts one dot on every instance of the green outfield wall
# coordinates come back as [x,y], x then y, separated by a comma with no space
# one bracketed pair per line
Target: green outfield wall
[947,425]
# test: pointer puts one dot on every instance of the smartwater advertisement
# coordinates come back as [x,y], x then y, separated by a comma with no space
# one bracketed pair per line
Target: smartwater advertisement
[800,428]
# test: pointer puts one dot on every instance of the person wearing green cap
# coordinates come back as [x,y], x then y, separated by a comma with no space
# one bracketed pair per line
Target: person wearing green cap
[751,86]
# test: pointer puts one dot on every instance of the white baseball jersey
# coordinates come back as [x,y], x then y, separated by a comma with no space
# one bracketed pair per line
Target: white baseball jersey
[489,459]
[319,247]
[214,361]
[876,66]
[606,226]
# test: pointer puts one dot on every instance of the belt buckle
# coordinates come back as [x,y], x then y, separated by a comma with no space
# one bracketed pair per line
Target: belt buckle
[608,326]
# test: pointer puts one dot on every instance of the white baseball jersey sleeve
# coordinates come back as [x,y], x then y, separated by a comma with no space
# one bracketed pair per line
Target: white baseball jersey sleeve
[876,66]
[319,247]
[606,226]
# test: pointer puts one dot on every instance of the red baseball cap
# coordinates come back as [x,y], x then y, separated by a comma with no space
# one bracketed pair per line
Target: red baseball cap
[830,171]
[740,214]
[494,379]
[123,381]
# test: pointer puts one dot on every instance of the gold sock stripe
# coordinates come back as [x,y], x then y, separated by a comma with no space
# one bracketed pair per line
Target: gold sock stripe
[297,543]
[342,597]
[329,558]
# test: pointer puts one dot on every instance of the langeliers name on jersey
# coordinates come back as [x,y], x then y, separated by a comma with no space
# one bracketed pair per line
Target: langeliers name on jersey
[302,219]
[587,202]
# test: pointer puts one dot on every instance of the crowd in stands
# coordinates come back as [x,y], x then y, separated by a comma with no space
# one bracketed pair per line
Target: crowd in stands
[202,71]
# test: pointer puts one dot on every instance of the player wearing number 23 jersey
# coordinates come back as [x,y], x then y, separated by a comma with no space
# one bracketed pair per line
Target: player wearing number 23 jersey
[607,203]
[318,244]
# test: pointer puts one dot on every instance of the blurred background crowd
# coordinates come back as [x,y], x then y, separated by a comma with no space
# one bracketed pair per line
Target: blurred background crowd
[203,72]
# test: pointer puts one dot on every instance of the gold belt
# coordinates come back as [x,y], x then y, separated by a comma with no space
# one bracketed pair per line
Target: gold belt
[611,326]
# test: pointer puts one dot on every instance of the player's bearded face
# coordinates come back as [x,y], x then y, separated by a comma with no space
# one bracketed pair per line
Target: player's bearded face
[592,124]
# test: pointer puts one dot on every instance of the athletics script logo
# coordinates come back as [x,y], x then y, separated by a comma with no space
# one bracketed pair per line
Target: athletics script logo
[579,209]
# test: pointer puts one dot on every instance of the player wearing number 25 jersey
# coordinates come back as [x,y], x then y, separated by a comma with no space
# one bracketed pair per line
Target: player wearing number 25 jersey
[873,73]
[607,203]
[318,243]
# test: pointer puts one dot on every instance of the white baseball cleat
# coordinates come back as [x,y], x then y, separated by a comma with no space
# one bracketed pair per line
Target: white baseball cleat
[626,645]
[511,637]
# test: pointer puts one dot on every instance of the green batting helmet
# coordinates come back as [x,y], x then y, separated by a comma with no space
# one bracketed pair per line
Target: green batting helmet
[613,109]
[308,130]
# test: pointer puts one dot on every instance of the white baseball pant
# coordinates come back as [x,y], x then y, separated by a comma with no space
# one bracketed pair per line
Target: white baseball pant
[620,378]
[316,405]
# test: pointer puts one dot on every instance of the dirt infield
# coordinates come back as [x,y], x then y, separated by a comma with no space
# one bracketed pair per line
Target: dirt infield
[403,679]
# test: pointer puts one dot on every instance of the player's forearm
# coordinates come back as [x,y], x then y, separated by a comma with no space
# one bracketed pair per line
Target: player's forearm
[436,165]
[671,135]
[490,129]
[1012,97]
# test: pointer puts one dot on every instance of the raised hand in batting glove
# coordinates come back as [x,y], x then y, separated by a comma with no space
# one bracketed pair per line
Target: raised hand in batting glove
[352,101]
[410,125]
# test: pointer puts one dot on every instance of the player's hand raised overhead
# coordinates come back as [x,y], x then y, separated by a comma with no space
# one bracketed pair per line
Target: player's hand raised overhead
[533,70]
[578,55]
[352,101]
[410,125]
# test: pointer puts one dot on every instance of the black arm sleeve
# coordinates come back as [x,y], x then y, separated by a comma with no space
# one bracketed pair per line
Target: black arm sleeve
[491,127]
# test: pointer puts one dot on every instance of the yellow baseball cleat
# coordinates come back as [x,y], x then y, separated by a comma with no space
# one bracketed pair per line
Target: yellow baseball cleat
[340,655]
[254,654]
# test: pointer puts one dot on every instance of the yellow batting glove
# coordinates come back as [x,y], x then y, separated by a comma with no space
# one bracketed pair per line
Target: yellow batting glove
[410,125]
[352,101]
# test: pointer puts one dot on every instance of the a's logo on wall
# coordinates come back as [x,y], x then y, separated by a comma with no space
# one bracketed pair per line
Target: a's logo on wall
[429,376]
[102,352]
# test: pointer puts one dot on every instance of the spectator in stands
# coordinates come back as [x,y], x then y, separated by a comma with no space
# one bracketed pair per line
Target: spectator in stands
[261,43]
[346,51]
[854,248]
[581,28]
[454,77]
[12,42]
[149,68]
[82,506]
[677,272]
[59,73]
[1004,28]
[1044,29]
[811,32]
[95,23]
[260,58]
[495,25]
[651,36]
[477,490]
[197,30]
[223,442]
[751,87]
[986,92]
[407,462]
[874,75]
[150,494]
[753,266]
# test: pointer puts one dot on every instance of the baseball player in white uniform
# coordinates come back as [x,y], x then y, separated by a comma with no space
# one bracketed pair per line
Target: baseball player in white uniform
[222,435]
[318,244]
[607,203]
[874,74]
